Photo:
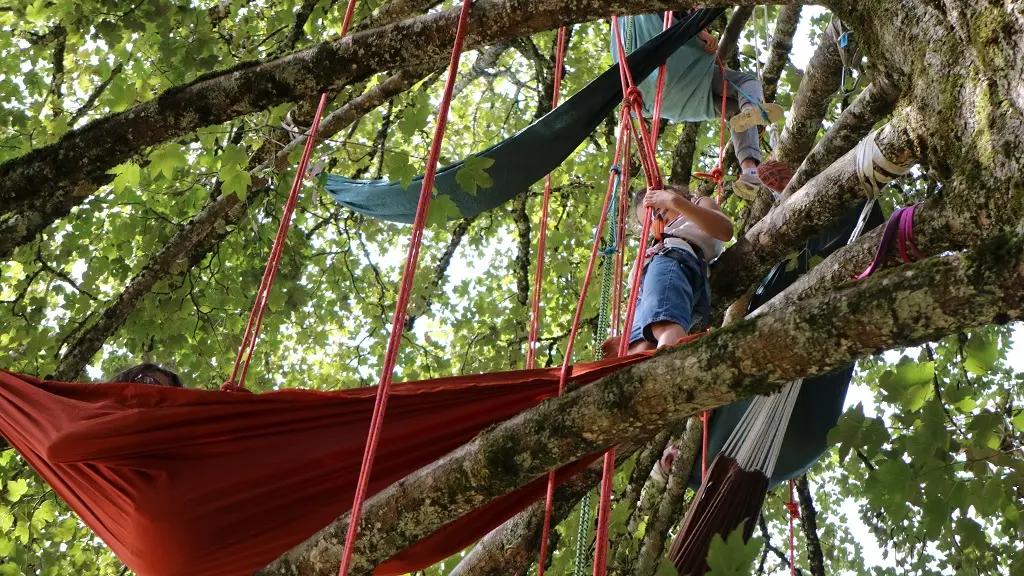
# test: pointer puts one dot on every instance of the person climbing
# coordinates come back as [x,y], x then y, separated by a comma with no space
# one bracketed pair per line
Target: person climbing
[693,92]
[148,374]
[674,289]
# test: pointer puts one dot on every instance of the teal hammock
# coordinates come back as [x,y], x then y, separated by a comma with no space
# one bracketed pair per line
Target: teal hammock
[528,156]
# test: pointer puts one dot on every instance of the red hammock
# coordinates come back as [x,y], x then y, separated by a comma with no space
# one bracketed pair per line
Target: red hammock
[178,481]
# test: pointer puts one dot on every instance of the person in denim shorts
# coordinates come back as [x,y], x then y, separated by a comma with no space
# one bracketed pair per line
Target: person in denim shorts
[674,290]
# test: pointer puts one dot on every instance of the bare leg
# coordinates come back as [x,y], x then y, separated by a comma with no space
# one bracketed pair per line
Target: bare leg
[667,333]
[640,346]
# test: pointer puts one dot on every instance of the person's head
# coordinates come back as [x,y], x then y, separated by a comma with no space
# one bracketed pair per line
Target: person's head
[640,193]
[148,374]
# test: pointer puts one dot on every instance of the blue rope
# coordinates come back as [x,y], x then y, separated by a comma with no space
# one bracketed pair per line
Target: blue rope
[764,115]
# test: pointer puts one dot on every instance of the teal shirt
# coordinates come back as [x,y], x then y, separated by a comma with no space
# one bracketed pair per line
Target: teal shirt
[688,96]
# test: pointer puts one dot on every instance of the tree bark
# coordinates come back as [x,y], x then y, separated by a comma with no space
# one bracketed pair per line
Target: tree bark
[512,547]
[778,54]
[809,525]
[817,204]
[819,85]
[670,509]
[733,29]
[925,301]
[871,105]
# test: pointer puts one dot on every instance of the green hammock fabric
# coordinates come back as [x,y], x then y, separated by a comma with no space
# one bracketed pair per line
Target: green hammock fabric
[688,72]
[525,158]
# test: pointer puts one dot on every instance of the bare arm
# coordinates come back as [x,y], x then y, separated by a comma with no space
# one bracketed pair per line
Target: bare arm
[704,213]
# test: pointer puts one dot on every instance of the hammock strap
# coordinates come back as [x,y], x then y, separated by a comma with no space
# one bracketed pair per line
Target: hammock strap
[542,234]
[259,306]
[405,291]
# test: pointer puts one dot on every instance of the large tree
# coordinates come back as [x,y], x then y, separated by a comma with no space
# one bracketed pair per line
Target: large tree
[146,148]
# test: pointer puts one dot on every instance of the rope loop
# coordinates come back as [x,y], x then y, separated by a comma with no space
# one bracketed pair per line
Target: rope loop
[634,97]
[794,510]
[716,175]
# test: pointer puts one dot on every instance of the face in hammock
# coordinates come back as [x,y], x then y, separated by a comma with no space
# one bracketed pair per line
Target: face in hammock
[149,374]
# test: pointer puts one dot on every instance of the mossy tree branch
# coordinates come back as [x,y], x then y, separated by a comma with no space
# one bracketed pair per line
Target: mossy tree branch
[925,301]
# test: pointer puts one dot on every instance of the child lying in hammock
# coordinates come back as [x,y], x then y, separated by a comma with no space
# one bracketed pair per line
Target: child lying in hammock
[693,92]
[148,374]
[674,289]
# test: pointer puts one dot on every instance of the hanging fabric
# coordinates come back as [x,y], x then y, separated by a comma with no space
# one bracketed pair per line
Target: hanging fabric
[801,414]
[523,159]
[180,482]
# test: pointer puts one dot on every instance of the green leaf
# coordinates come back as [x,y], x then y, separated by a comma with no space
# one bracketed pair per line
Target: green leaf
[6,519]
[16,489]
[473,174]
[127,176]
[982,354]
[732,557]
[45,514]
[166,159]
[399,169]
[237,183]
[1018,421]
[442,209]
[415,116]
[66,530]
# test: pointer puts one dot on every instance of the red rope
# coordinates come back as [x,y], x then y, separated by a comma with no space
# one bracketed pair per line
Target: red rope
[405,290]
[252,328]
[704,445]
[717,174]
[632,108]
[794,513]
[349,11]
[604,511]
[567,359]
[531,343]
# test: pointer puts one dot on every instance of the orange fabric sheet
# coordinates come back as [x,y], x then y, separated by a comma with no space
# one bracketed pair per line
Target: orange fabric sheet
[181,482]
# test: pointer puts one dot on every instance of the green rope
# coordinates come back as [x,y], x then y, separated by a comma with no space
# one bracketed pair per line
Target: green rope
[580,567]
[582,539]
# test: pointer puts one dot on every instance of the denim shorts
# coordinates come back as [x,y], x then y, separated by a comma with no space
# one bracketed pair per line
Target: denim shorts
[671,291]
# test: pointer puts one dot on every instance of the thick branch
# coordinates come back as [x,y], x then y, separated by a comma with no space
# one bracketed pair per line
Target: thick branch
[809,524]
[819,84]
[925,301]
[512,547]
[778,53]
[817,204]
[871,105]
[640,498]
[683,153]
[733,29]
[208,228]
[670,507]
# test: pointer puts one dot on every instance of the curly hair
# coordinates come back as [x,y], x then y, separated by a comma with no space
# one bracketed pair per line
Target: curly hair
[139,372]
